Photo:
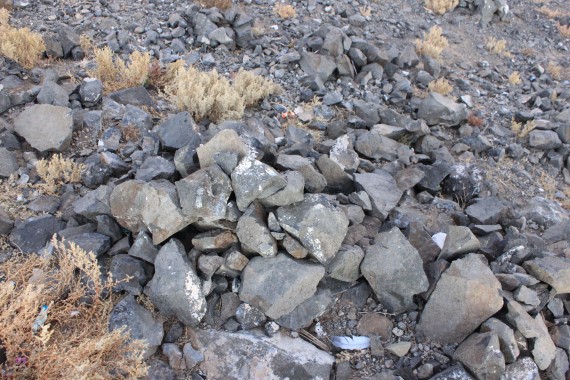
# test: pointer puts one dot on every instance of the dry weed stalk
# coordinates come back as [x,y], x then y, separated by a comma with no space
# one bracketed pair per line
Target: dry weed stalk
[19,44]
[86,43]
[252,88]
[440,86]
[520,130]
[74,341]
[285,11]
[210,95]
[58,171]
[496,46]
[433,43]
[554,70]
[220,4]
[564,30]
[116,74]
[550,13]
[474,120]
[515,78]
[365,11]
[441,6]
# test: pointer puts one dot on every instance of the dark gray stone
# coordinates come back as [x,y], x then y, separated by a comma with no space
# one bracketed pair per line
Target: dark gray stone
[175,288]
[382,189]
[476,294]
[143,248]
[291,193]
[204,194]
[439,109]
[139,322]
[544,140]
[277,285]
[459,241]
[481,355]
[228,356]
[95,202]
[394,270]
[214,240]
[54,94]
[155,167]
[45,127]
[253,234]
[316,223]
[32,234]
[93,242]
[8,163]
[555,271]
[177,131]
[304,314]
[317,65]
[129,273]
[253,180]
[507,341]
[136,96]
[90,92]
[249,317]
[315,182]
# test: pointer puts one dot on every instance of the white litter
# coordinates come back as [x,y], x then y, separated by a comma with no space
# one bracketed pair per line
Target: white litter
[351,343]
[439,239]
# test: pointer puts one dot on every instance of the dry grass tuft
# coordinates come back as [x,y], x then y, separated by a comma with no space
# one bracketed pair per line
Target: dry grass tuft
[220,4]
[550,13]
[10,191]
[20,44]
[252,88]
[205,95]
[496,46]
[441,6]
[130,133]
[515,78]
[285,11]
[520,130]
[57,172]
[554,70]
[116,74]
[474,120]
[564,30]
[365,11]
[73,342]
[440,86]
[210,95]
[433,43]
[528,52]
[86,43]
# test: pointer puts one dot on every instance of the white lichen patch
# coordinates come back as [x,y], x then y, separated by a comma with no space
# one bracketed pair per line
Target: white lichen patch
[196,300]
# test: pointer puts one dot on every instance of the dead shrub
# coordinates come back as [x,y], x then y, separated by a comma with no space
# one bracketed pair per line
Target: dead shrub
[252,88]
[440,86]
[474,120]
[564,30]
[220,4]
[496,46]
[116,74]
[520,130]
[285,11]
[554,70]
[20,44]
[365,11]
[441,6]
[210,95]
[54,320]
[56,172]
[433,43]
[550,13]
[515,78]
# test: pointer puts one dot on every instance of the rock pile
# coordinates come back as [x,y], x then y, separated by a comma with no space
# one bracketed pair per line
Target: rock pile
[245,229]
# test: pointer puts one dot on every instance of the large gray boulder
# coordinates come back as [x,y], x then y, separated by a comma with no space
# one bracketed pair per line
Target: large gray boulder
[45,127]
[277,285]
[382,189]
[204,194]
[439,109]
[394,270]
[316,223]
[251,355]
[139,323]
[175,288]
[253,179]
[466,295]
[152,206]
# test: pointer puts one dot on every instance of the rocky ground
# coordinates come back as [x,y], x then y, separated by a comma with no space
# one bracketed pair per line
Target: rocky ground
[356,203]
